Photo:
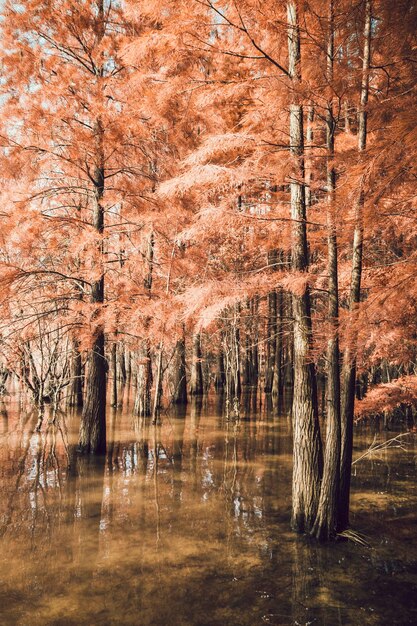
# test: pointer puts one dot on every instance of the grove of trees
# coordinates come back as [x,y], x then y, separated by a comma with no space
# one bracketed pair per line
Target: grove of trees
[213,197]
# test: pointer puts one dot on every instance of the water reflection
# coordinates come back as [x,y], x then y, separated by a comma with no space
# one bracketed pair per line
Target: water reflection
[187,523]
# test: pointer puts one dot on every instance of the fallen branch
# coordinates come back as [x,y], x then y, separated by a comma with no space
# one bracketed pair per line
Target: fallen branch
[395,442]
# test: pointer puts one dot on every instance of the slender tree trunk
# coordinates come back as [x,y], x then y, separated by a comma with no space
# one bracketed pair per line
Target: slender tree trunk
[143,402]
[349,359]
[196,380]
[220,377]
[77,374]
[277,383]
[158,385]
[255,342]
[113,375]
[325,526]
[307,450]
[180,373]
[309,140]
[271,342]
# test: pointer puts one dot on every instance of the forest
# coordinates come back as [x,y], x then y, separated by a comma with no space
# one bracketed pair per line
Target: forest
[208,207]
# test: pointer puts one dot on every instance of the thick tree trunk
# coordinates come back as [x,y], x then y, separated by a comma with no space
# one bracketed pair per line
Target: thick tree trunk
[349,359]
[92,437]
[93,421]
[307,451]
[142,406]
[196,379]
[325,526]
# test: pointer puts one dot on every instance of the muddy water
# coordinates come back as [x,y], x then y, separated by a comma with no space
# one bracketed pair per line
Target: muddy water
[188,523]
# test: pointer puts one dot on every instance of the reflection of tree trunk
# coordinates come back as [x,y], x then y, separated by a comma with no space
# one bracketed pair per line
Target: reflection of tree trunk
[177,456]
[303,585]
[20,470]
[89,492]
[195,417]
[111,440]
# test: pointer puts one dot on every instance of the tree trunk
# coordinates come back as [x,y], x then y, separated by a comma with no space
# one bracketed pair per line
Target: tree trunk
[278,380]
[220,377]
[325,526]
[142,405]
[309,140]
[349,359]
[92,437]
[271,342]
[77,377]
[196,380]
[180,373]
[307,451]
[113,375]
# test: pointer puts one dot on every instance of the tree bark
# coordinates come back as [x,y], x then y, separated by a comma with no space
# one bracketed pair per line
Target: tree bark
[307,450]
[196,380]
[278,379]
[349,358]
[325,526]
[220,376]
[77,377]
[92,437]
[142,405]
[113,377]
[180,373]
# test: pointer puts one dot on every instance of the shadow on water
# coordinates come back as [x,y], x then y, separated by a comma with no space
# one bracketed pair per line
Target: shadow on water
[188,523]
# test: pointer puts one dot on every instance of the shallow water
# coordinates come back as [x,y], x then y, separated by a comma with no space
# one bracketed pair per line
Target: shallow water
[188,523]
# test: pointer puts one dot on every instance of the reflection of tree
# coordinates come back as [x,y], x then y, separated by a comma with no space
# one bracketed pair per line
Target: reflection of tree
[195,417]
[302,587]
[13,501]
[177,456]
[88,509]
[39,477]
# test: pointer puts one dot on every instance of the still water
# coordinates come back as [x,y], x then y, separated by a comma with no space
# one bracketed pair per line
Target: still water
[188,524]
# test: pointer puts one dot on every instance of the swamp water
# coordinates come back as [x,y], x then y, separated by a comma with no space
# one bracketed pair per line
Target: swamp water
[188,524]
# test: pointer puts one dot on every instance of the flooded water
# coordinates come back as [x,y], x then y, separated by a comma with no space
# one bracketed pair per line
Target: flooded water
[188,523]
